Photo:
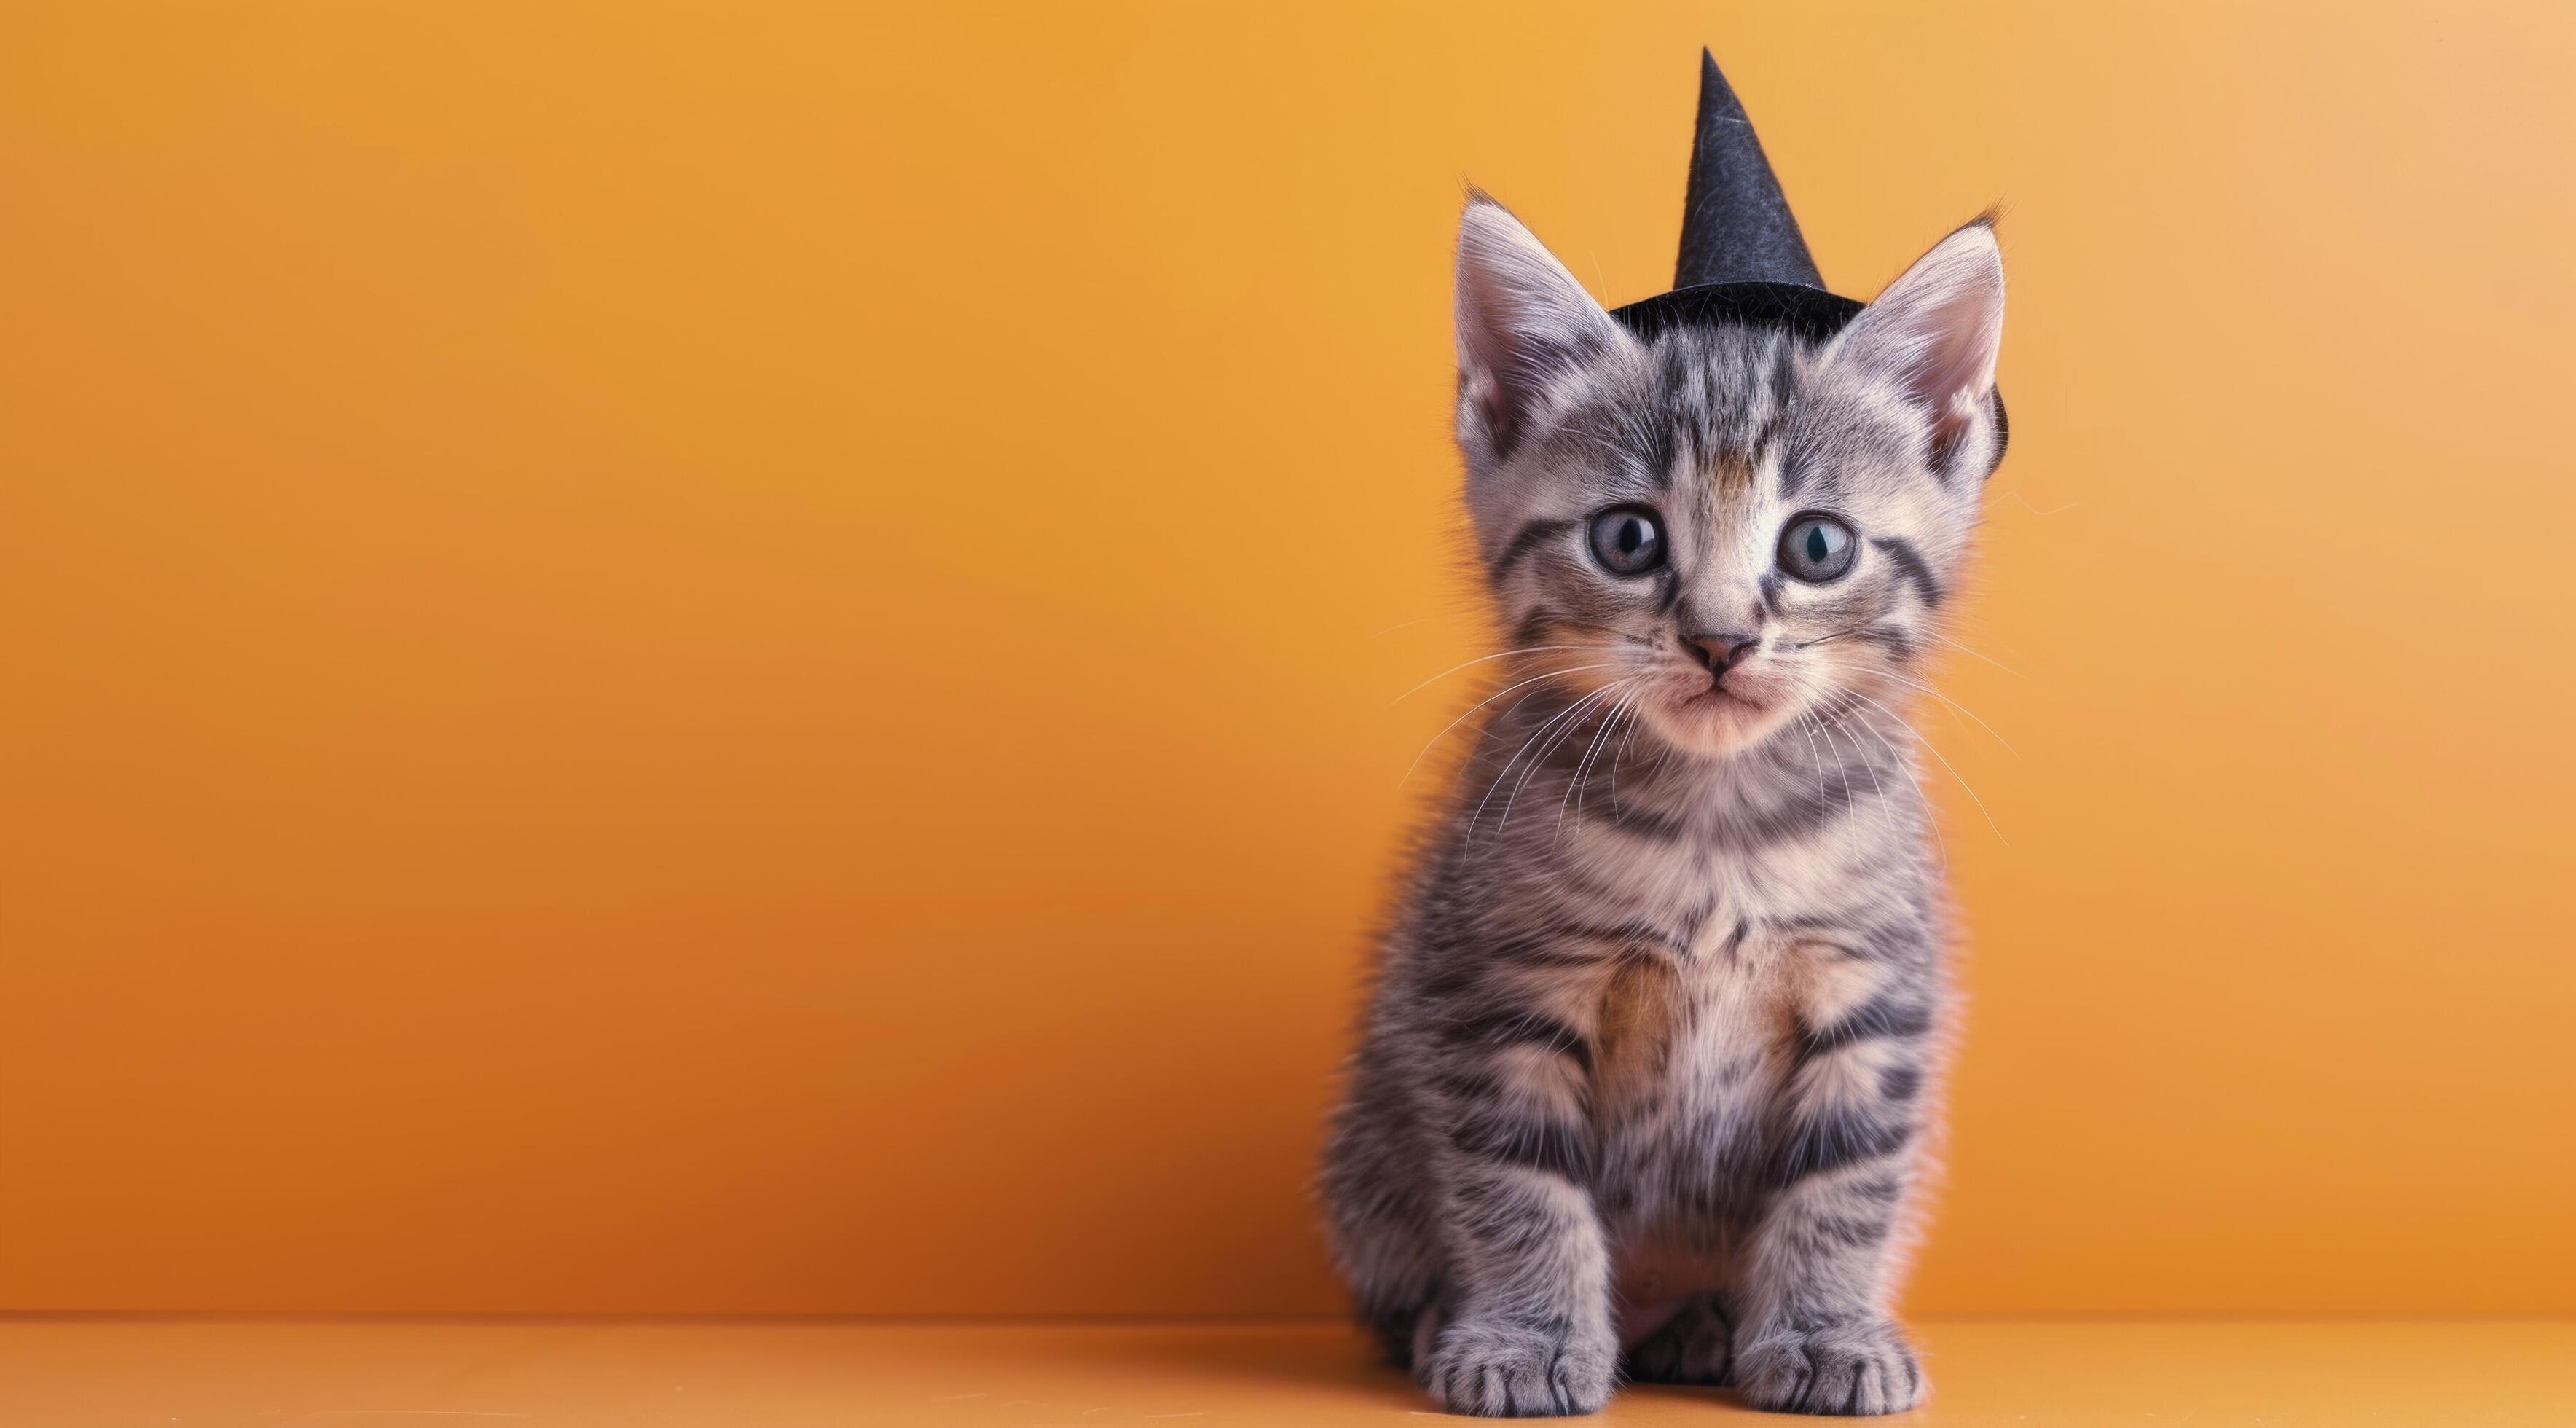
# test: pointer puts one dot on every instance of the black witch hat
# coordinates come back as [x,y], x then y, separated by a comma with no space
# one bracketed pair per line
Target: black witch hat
[1743,259]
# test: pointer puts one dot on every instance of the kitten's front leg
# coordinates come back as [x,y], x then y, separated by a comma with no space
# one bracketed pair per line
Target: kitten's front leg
[1820,1343]
[1815,1337]
[1529,1330]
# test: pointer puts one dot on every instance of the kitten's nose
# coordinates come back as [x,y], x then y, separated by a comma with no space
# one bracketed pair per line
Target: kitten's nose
[1721,649]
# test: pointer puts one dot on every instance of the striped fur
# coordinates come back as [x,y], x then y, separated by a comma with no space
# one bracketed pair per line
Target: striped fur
[1647,1070]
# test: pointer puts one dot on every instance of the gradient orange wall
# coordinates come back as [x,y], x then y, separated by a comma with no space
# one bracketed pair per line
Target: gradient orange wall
[742,657]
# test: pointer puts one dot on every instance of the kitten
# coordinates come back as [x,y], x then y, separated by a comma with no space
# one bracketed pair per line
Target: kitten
[1648,1066]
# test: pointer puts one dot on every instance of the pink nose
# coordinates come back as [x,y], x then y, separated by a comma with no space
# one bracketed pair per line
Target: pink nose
[1722,649]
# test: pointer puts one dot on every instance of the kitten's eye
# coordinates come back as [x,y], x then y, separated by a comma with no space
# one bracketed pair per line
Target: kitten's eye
[1627,540]
[1817,549]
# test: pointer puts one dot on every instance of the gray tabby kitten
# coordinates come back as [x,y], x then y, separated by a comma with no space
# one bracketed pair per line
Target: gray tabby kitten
[1648,1067]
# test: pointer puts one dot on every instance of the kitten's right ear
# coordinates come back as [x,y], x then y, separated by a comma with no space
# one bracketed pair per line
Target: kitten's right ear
[1523,321]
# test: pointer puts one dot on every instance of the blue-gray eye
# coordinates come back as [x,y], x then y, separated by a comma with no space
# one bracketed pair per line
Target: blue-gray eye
[1627,540]
[1817,549]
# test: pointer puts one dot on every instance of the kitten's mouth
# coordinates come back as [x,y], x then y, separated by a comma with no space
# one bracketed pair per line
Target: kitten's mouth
[1718,696]
[1721,716]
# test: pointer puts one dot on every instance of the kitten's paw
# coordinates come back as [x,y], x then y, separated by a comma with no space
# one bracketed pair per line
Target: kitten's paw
[1506,1371]
[1695,1346]
[1856,1367]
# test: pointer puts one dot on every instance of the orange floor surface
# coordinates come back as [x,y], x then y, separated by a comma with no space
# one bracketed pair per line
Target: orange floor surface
[76,1373]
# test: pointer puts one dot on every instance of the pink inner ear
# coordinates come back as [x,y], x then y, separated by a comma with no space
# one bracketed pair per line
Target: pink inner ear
[1957,376]
[1949,424]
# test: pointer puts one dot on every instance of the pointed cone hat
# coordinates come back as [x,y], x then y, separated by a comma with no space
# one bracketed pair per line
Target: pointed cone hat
[1743,259]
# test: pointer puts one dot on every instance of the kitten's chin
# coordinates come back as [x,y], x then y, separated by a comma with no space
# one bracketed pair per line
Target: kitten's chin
[1716,722]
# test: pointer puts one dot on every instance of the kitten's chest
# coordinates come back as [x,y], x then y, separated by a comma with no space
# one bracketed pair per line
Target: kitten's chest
[1684,1035]
[1699,1018]
[1694,1043]
[1691,1060]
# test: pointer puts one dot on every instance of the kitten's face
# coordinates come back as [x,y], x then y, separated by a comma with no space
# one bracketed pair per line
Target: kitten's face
[1726,530]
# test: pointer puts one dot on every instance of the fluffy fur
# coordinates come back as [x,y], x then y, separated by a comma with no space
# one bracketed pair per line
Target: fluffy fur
[1648,1066]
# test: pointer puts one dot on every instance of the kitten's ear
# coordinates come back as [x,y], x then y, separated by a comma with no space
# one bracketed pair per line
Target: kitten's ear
[1934,333]
[1522,322]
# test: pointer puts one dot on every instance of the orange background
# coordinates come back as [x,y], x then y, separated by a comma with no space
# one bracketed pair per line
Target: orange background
[744,658]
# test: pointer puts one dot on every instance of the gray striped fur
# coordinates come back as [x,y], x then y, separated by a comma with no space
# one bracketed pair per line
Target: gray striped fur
[1647,1071]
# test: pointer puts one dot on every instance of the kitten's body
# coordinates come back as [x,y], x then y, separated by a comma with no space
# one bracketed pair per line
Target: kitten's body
[1646,1071]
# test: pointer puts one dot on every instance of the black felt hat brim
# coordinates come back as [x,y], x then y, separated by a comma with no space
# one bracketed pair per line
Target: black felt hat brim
[1811,313]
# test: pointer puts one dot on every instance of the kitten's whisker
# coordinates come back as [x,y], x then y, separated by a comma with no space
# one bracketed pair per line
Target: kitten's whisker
[1488,699]
[1829,637]
[1569,720]
[1564,623]
[1916,684]
[1402,625]
[1842,770]
[1567,717]
[1506,771]
[2036,511]
[1945,763]
[1805,718]
[1886,810]
[1544,726]
[1990,659]
[1531,769]
[1912,774]
[1582,765]
[1480,659]
[1592,751]
[1626,742]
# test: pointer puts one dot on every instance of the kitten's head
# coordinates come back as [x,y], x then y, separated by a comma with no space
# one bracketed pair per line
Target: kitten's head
[1730,526]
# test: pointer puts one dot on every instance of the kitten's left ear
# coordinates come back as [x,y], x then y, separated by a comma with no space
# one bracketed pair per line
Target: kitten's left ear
[1934,333]
[1523,322]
